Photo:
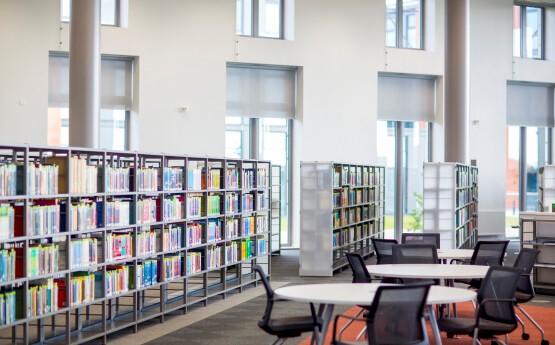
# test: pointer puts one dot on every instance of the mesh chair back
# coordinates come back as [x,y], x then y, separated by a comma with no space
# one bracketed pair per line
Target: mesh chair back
[396,315]
[415,254]
[489,253]
[383,250]
[360,273]
[525,260]
[263,323]
[421,238]
[500,285]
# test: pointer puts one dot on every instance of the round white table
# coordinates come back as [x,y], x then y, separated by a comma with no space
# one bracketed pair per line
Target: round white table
[458,254]
[429,271]
[328,295]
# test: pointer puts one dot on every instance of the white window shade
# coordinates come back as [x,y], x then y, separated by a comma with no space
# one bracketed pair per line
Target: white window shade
[254,91]
[406,98]
[116,80]
[530,105]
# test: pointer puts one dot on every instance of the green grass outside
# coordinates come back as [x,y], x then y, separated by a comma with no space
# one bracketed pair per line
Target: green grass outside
[407,221]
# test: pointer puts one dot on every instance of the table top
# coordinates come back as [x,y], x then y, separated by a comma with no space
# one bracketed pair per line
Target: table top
[363,294]
[429,271]
[461,254]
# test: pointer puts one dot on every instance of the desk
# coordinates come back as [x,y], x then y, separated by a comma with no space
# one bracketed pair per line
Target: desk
[328,295]
[429,271]
[459,254]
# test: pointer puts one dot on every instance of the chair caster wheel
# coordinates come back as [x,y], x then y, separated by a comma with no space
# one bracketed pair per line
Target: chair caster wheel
[545,342]
[451,336]
[525,336]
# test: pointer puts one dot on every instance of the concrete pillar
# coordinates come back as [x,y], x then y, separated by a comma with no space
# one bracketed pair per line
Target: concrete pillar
[84,73]
[456,81]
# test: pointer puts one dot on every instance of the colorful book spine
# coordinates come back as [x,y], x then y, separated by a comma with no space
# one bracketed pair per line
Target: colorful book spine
[194,178]
[117,213]
[246,249]
[172,238]
[261,201]
[213,205]
[118,246]
[146,211]
[231,228]
[173,179]
[42,259]
[232,178]
[117,179]
[214,178]
[173,209]
[43,220]
[84,178]
[231,203]
[170,267]
[7,221]
[262,178]
[42,179]
[8,178]
[249,178]
[146,243]
[261,244]
[261,224]
[194,234]
[81,288]
[117,280]
[147,180]
[214,257]
[41,299]
[7,307]
[83,216]
[147,273]
[7,265]
[194,205]
[193,263]
[231,253]
[84,252]
[213,232]
[248,226]
[247,202]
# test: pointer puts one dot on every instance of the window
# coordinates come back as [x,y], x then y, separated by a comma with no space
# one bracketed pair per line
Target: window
[528,31]
[259,18]
[404,23]
[116,101]
[109,12]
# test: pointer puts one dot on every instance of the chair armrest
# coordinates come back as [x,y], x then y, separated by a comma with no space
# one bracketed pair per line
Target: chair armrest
[346,317]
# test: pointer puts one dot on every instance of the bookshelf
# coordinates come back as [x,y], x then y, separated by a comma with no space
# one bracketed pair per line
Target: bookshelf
[342,208]
[276,209]
[451,203]
[546,188]
[95,241]
[537,230]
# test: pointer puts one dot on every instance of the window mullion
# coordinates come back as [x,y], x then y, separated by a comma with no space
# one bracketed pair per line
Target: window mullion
[399,24]
[255,19]
[523,31]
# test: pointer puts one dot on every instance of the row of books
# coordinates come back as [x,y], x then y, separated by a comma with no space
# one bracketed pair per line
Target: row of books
[119,246]
[194,178]
[246,249]
[84,177]
[146,211]
[173,179]
[7,307]
[117,213]
[344,217]
[7,221]
[147,273]
[262,178]
[232,178]
[117,280]
[43,219]
[42,259]
[213,232]
[146,243]
[147,179]
[354,176]
[247,201]
[214,178]
[232,203]
[40,299]
[84,252]
[213,205]
[214,257]
[170,267]
[117,179]
[7,265]
[42,179]
[262,247]
[194,234]
[193,263]
[81,289]
[8,179]
[463,197]
[194,205]
[261,201]
[173,209]
[231,253]
[231,228]
[83,216]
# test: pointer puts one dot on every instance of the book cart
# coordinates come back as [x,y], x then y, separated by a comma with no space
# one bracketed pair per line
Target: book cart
[95,241]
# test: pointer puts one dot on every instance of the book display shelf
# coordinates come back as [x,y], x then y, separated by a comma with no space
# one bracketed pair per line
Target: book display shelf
[546,188]
[451,203]
[342,208]
[94,241]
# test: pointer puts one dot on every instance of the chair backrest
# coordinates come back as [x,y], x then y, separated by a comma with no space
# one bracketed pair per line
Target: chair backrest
[415,254]
[360,273]
[526,260]
[489,253]
[421,238]
[263,323]
[396,315]
[383,250]
[499,285]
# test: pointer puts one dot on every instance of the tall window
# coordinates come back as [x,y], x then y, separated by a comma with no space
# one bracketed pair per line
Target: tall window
[109,12]
[116,101]
[528,23]
[259,18]
[404,23]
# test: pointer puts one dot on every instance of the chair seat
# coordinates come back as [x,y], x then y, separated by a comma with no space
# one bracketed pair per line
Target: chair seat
[522,297]
[459,325]
[291,326]
[391,340]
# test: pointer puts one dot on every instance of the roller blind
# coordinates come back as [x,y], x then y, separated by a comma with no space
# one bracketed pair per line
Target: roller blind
[254,91]
[530,105]
[406,98]
[116,80]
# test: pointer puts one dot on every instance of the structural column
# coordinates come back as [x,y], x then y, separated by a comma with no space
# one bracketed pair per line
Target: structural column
[84,73]
[456,81]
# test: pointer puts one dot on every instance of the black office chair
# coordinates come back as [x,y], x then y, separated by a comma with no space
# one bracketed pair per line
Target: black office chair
[286,327]
[383,250]
[487,253]
[525,288]
[421,238]
[396,316]
[495,314]
[416,254]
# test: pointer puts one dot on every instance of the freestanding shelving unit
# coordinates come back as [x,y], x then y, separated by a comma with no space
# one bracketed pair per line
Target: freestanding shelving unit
[94,241]
[342,208]
[537,230]
[451,203]
[546,188]
[275,227]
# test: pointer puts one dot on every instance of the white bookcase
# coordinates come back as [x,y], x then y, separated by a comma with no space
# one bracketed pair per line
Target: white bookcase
[546,188]
[451,203]
[342,208]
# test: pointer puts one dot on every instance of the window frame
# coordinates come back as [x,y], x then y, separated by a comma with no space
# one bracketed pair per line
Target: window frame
[523,6]
[399,26]
[255,23]
[117,14]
